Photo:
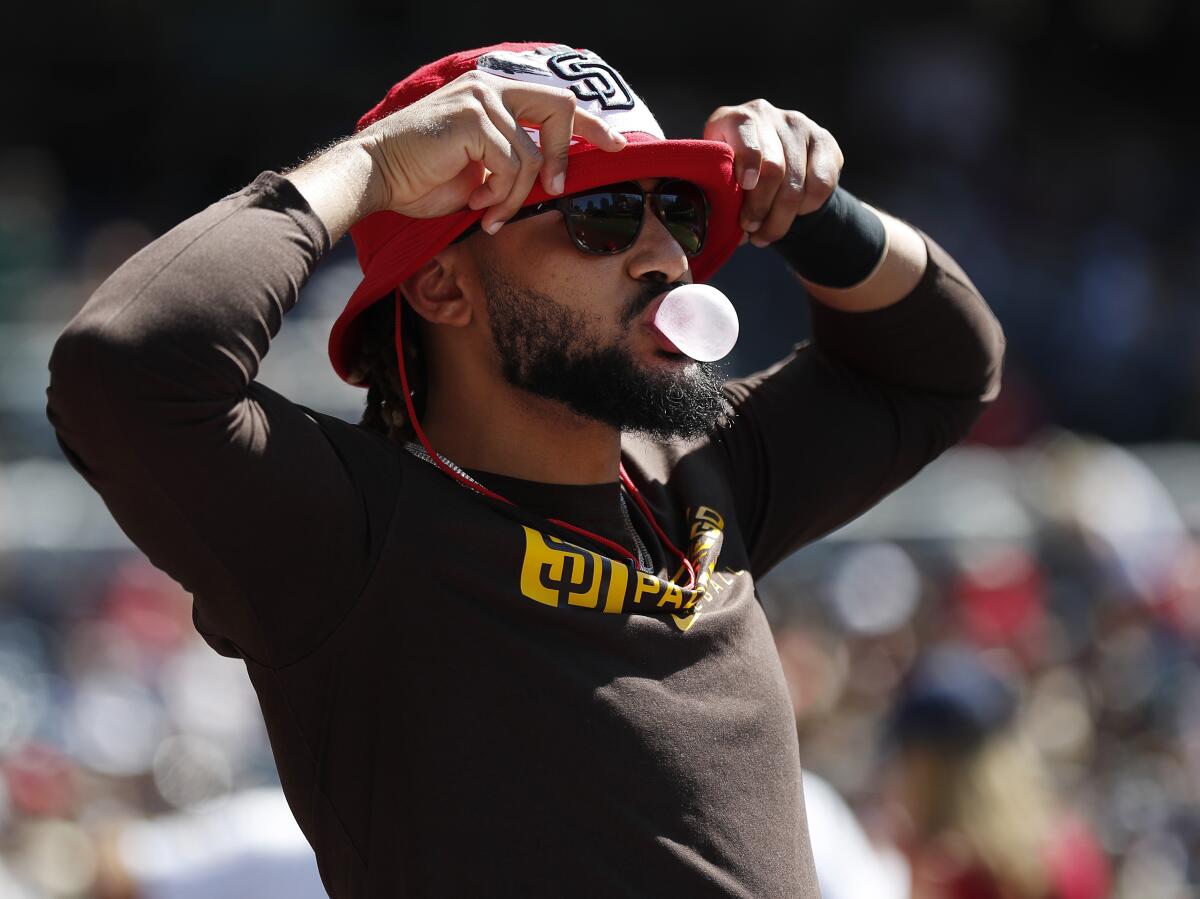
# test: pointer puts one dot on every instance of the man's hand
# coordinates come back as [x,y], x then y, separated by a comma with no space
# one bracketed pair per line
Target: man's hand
[432,155]
[462,146]
[788,164]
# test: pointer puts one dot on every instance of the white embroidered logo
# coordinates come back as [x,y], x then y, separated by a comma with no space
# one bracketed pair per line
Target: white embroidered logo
[591,79]
[598,87]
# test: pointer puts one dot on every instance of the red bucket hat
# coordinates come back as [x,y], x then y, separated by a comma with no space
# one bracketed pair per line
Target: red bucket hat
[391,246]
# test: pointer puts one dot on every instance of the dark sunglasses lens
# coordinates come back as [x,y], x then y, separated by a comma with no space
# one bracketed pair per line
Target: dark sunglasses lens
[605,221]
[684,212]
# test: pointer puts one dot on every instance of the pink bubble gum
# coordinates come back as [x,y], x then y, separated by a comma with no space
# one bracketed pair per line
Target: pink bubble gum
[699,320]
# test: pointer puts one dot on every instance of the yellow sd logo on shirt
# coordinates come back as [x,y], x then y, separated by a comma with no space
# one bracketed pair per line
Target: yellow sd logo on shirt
[555,572]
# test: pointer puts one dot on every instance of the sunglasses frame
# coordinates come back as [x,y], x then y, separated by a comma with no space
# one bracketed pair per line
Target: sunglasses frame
[560,203]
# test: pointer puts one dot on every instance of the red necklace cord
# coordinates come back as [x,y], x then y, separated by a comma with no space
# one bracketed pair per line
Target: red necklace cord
[437,460]
[637,497]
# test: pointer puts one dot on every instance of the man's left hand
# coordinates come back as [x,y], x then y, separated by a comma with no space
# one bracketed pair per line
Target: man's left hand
[787,163]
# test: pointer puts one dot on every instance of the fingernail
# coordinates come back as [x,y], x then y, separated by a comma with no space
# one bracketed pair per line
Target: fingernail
[758,241]
[558,182]
[493,227]
[617,135]
[749,178]
[753,226]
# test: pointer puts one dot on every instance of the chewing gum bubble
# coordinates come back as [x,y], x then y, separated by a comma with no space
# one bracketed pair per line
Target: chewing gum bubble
[699,320]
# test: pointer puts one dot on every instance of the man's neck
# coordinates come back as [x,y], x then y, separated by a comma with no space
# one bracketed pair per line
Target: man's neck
[510,432]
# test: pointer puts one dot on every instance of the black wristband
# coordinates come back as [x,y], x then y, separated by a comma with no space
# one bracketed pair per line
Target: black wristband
[838,245]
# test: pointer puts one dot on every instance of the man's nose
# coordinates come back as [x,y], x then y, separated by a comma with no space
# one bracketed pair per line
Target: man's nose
[656,249]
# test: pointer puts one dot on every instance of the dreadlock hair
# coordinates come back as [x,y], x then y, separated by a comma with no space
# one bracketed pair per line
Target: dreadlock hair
[378,368]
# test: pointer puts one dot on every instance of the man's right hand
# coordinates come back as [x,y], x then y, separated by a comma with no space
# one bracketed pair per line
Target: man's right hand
[460,147]
[432,154]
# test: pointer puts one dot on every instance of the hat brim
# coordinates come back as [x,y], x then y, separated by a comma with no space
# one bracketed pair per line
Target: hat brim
[404,244]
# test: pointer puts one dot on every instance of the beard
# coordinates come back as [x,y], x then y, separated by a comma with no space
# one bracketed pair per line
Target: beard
[547,349]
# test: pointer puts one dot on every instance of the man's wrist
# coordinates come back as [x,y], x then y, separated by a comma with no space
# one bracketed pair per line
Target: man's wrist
[899,271]
[839,245]
[341,185]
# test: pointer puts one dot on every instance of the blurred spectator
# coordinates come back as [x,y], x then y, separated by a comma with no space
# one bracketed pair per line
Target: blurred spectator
[969,800]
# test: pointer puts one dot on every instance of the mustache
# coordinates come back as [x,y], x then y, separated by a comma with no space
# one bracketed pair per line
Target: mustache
[637,305]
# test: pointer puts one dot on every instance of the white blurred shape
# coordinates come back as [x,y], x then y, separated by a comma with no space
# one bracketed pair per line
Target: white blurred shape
[1139,802]
[967,493]
[244,846]
[1155,866]
[10,887]
[114,725]
[46,505]
[58,857]
[1122,505]
[189,770]
[211,696]
[875,588]
[1059,714]
[848,865]
[24,699]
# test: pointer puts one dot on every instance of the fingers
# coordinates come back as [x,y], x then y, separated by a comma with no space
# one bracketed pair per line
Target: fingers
[737,127]
[787,164]
[556,120]
[791,195]
[501,154]
[772,172]
[511,104]
[814,164]
[505,190]
[825,163]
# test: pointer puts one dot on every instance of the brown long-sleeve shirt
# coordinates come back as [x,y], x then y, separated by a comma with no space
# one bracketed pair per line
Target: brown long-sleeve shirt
[461,698]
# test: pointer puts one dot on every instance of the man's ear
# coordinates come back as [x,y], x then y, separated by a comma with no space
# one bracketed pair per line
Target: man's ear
[435,293]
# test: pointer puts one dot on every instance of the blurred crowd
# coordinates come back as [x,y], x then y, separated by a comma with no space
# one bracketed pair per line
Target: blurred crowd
[994,672]
[998,665]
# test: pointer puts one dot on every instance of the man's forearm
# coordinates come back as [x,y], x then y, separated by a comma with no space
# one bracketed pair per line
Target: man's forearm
[898,272]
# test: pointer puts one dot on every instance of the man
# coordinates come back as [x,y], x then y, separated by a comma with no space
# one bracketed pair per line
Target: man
[511,645]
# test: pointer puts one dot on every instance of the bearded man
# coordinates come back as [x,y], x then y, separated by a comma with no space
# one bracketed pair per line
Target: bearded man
[504,631]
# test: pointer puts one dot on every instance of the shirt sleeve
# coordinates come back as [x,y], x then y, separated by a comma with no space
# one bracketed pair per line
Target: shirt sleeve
[857,410]
[271,515]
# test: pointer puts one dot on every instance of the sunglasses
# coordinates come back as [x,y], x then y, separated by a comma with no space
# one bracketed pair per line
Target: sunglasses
[607,220]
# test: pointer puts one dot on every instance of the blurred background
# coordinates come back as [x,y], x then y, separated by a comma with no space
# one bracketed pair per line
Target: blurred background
[1052,557]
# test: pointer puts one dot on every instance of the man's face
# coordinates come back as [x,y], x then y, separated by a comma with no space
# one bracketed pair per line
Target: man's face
[571,326]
